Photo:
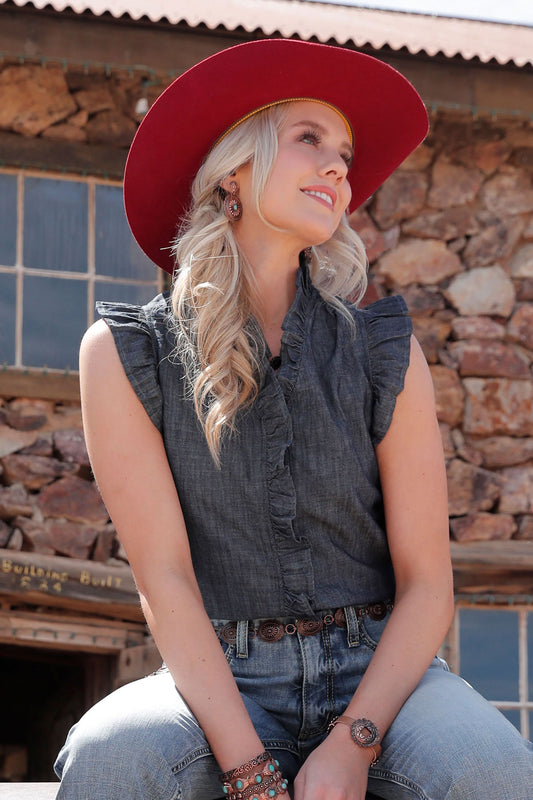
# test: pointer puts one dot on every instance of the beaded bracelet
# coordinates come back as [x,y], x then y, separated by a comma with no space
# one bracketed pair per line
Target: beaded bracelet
[257,779]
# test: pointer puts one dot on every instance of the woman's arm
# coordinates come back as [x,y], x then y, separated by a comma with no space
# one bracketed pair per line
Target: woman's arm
[413,480]
[130,465]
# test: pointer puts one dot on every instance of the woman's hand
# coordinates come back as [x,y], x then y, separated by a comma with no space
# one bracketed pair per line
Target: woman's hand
[336,770]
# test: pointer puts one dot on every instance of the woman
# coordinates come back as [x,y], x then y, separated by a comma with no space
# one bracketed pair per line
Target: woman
[271,460]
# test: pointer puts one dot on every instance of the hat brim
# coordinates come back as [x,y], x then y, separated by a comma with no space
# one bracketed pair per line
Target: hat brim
[386,113]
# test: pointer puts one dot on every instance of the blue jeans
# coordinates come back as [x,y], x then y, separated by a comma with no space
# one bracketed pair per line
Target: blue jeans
[447,743]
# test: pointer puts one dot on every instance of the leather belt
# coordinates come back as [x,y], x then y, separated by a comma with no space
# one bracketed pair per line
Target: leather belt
[272,630]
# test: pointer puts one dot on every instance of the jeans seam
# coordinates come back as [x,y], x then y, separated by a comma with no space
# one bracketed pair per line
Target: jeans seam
[330,672]
[401,780]
[194,755]
[305,675]
[279,744]
[204,752]
[365,637]
[178,793]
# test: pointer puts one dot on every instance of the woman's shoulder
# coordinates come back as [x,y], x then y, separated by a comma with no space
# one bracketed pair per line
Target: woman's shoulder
[393,307]
[382,320]
[386,328]
[141,335]
[140,328]
[144,317]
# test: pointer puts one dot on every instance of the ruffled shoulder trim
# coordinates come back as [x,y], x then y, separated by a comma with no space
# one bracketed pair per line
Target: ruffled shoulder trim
[134,331]
[388,331]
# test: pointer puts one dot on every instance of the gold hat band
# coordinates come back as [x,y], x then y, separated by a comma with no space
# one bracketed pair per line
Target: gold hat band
[288,100]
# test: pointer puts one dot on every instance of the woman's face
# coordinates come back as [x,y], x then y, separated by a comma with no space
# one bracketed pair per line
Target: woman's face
[307,191]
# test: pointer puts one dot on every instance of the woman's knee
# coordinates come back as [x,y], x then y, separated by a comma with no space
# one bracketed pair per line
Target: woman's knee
[452,744]
[130,744]
[500,767]
[111,756]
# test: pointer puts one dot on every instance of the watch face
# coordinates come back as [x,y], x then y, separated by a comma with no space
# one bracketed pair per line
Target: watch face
[364,733]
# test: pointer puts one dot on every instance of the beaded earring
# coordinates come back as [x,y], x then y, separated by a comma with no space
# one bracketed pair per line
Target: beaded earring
[232,203]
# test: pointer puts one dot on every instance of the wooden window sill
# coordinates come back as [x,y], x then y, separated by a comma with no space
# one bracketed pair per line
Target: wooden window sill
[36,383]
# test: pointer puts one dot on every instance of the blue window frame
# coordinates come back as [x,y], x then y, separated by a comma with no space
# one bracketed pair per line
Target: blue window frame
[64,243]
[494,653]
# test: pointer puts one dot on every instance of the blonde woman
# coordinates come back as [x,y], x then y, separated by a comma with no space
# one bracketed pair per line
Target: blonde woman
[270,456]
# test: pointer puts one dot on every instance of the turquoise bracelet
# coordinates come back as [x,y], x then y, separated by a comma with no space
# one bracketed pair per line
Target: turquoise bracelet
[257,779]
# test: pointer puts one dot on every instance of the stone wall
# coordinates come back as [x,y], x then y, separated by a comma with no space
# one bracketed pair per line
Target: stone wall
[452,230]
[49,503]
[74,106]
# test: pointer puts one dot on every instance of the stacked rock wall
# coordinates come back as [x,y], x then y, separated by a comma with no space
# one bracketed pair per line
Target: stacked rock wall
[48,501]
[73,105]
[451,230]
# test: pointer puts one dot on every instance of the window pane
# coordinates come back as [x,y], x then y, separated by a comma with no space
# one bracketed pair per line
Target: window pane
[54,320]
[8,220]
[123,292]
[116,252]
[7,318]
[513,716]
[489,652]
[55,224]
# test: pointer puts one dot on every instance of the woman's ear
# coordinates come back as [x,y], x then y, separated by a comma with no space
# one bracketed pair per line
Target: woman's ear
[231,178]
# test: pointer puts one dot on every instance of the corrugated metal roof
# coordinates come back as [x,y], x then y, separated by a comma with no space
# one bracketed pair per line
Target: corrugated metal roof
[415,32]
[511,12]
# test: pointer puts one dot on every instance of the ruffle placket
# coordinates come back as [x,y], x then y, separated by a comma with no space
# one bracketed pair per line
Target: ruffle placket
[294,553]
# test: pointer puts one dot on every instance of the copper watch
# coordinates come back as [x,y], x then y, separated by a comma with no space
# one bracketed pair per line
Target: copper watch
[364,732]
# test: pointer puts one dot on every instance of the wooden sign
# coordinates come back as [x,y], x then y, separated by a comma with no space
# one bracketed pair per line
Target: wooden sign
[69,583]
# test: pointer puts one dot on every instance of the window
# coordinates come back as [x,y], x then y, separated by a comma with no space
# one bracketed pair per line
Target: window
[64,243]
[492,648]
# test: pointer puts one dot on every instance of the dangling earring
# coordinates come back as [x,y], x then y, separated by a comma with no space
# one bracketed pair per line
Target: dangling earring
[232,204]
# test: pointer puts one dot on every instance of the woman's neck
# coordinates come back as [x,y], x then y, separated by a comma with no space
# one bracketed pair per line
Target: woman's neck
[276,293]
[273,258]
[275,289]
[274,271]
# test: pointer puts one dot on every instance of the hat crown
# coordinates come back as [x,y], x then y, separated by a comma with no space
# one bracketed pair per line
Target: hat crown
[383,109]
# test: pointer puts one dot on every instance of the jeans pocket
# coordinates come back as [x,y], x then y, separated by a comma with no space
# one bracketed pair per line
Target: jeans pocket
[370,630]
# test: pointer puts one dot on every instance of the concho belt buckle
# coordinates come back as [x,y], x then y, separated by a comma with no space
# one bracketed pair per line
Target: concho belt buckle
[270,631]
[229,633]
[308,627]
[377,611]
[340,618]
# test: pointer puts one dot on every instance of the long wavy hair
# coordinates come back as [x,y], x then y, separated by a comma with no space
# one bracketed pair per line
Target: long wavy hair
[214,292]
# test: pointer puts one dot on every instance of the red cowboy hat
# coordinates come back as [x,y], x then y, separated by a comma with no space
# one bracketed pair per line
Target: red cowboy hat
[385,112]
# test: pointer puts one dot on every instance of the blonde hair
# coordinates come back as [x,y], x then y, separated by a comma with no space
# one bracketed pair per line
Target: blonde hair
[214,291]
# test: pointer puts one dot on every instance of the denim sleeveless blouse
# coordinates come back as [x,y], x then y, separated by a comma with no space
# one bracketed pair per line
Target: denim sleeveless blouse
[293,522]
